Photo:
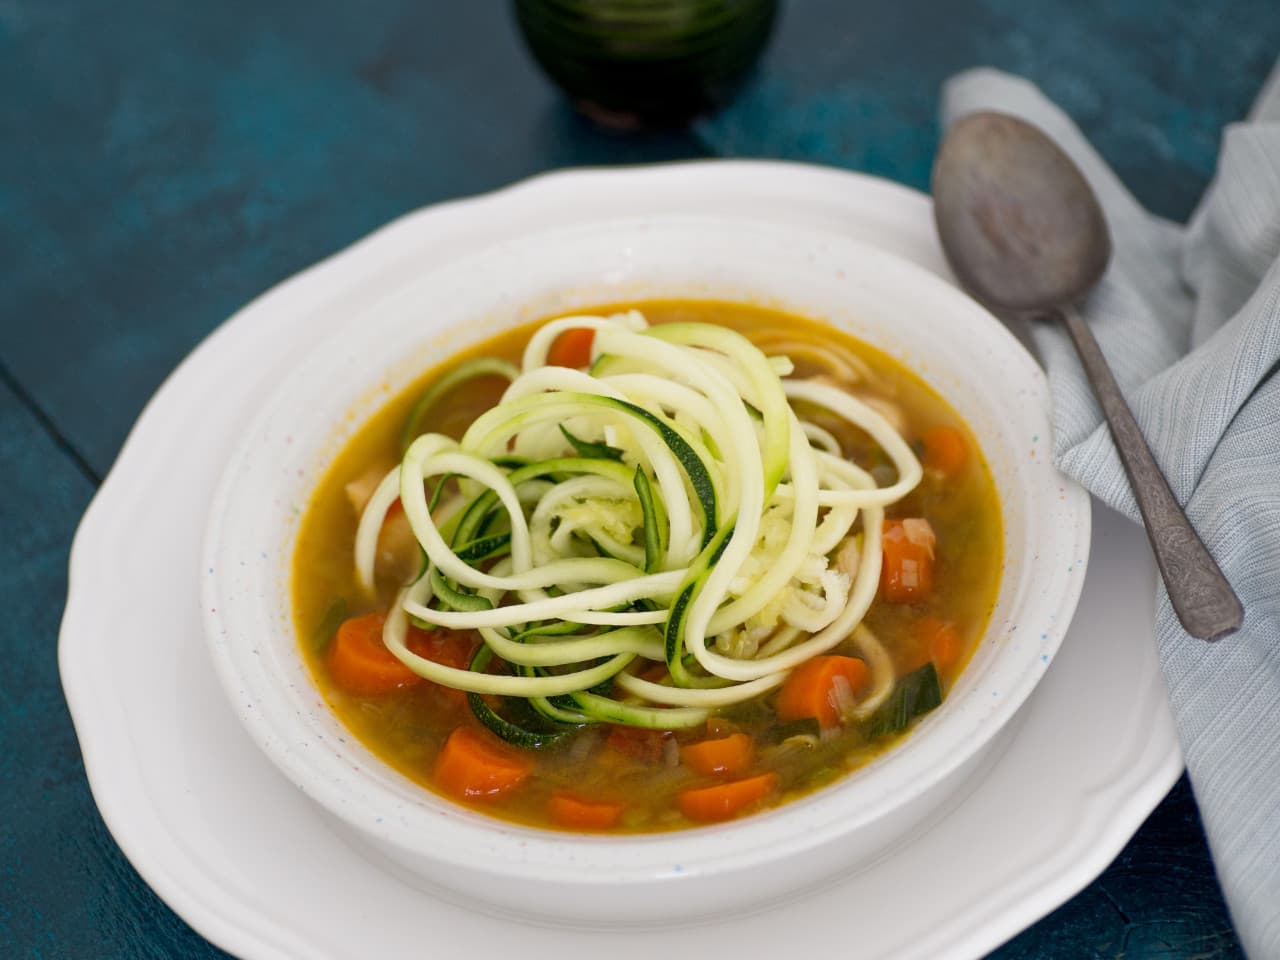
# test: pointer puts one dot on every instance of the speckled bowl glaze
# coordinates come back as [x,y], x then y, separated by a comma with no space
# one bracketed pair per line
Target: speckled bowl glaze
[955,345]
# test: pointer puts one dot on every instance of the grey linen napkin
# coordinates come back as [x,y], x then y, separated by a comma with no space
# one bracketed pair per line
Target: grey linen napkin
[1189,318]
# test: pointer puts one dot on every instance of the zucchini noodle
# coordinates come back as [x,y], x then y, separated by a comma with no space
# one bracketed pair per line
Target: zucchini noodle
[647,540]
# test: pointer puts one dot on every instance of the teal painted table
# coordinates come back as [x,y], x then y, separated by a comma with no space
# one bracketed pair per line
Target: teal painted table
[160,164]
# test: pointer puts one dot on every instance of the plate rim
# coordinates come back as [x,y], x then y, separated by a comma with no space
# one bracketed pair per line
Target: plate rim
[232,933]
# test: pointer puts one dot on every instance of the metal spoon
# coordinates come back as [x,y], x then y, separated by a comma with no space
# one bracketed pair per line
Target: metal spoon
[1025,235]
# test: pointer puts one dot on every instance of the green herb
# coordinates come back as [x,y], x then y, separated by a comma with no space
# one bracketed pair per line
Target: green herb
[915,695]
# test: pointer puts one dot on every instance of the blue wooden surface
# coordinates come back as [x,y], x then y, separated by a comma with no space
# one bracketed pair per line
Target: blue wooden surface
[160,164]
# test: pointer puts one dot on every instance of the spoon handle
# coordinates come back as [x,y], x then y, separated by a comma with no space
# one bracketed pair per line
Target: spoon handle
[1201,596]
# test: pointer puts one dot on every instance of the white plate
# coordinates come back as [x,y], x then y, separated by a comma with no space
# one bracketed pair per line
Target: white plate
[252,864]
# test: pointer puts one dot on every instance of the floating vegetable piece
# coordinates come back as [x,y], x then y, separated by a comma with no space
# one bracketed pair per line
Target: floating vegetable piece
[915,695]
[473,767]
[726,800]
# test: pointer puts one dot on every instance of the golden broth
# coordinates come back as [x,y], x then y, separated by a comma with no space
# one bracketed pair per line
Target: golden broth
[407,729]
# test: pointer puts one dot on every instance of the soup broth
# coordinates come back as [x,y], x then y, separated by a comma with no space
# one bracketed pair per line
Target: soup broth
[941,570]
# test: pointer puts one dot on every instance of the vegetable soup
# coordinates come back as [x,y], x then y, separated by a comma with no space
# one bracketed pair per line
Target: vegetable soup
[647,567]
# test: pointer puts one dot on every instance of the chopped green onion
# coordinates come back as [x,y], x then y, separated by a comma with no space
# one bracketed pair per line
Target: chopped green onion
[915,695]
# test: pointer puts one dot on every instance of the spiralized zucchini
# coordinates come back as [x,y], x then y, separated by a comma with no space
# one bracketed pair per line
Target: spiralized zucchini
[668,506]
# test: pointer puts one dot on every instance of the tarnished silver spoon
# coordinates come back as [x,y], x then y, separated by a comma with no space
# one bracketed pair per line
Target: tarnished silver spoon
[1024,233]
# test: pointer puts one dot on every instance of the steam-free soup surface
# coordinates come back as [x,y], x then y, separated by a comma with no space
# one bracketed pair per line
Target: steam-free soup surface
[934,598]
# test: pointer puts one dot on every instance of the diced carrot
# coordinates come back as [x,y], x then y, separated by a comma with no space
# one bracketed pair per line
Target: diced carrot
[906,575]
[451,648]
[572,348]
[725,800]
[942,640]
[638,743]
[578,814]
[729,756]
[945,449]
[809,691]
[361,663]
[475,766]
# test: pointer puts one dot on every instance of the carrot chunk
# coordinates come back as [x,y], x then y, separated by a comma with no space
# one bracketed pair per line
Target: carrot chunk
[572,348]
[450,648]
[361,663]
[809,691]
[945,449]
[578,814]
[906,574]
[729,756]
[725,800]
[638,743]
[476,767]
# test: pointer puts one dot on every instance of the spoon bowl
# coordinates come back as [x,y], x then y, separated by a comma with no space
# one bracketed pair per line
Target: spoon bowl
[1025,223]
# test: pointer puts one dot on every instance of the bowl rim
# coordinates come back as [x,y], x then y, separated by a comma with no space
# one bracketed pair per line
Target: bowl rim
[459,838]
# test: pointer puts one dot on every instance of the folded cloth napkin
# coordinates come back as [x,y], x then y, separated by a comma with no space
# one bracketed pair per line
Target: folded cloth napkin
[1189,318]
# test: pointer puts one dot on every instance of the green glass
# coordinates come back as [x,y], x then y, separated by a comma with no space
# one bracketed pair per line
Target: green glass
[646,63]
